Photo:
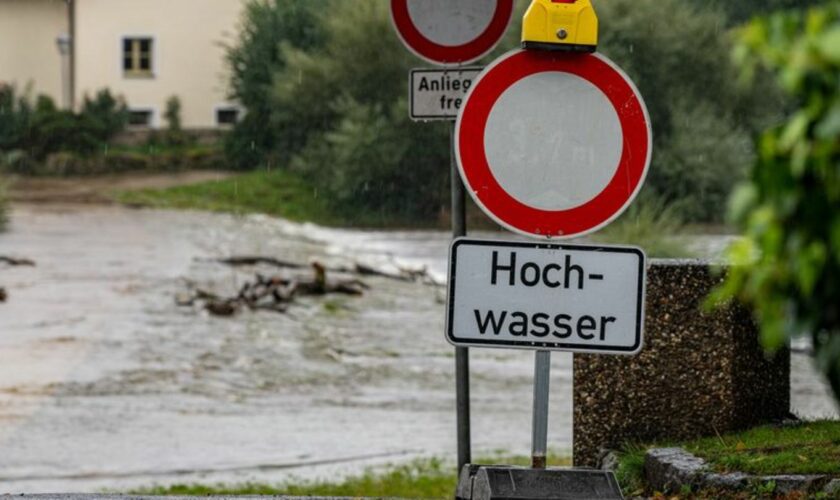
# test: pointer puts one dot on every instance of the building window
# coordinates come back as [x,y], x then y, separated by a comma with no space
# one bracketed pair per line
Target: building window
[137,57]
[227,116]
[140,118]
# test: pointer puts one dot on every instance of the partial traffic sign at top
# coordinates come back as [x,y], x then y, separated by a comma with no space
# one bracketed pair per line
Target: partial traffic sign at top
[451,32]
[553,145]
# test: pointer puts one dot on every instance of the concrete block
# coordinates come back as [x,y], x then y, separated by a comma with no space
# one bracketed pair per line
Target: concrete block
[668,469]
[699,373]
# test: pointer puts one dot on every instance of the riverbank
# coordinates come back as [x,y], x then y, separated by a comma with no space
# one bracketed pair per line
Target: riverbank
[278,193]
[99,189]
[283,194]
[804,449]
[807,449]
[426,478]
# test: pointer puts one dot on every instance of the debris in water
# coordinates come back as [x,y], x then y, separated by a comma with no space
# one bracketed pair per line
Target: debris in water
[3,295]
[16,262]
[272,293]
[402,273]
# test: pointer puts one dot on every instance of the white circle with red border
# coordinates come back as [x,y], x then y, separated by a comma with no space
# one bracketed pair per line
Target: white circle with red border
[553,145]
[451,32]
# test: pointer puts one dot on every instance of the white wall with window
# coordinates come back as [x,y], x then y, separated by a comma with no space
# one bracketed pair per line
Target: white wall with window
[137,52]
[150,50]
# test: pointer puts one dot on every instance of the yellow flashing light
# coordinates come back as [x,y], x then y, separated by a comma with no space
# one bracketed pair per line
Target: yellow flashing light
[568,25]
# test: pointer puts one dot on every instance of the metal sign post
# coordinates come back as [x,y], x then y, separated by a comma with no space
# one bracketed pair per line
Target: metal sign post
[539,425]
[462,354]
[450,34]
[551,145]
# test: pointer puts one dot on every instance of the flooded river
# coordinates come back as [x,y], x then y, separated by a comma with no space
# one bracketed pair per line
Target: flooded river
[106,383]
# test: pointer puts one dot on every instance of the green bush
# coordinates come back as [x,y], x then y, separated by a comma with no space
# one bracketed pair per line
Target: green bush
[267,27]
[703,121]
[4,216]
[741,10]
[15,118]
[174,135]
[360,148]
[67,163]
[320,91]
[651,225]
[38,129]
[789,260]
[107,114]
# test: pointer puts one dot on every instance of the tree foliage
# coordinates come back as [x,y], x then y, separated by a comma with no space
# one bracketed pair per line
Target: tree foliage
[267,26]
[739,11]
[678,55]
[348,102]
[4,217]
[314,84]
[789,260]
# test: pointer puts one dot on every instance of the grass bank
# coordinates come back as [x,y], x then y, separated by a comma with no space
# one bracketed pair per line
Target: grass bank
[806,448]
[271,192]
[431,478]
[648,224]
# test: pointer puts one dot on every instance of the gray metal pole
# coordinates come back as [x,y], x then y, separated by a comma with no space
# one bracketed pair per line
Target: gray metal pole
[539,429]
[462,354]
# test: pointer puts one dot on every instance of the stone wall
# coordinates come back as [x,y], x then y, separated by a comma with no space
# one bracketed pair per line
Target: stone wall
[139,137]
[699,373]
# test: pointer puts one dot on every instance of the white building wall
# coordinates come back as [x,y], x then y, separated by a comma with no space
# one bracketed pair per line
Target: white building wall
[28,51]
[188,55]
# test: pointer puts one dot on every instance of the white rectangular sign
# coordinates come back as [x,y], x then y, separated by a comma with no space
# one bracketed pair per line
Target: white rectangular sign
[546,297]
[437,94]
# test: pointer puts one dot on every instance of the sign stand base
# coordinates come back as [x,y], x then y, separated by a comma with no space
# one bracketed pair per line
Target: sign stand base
[479,482]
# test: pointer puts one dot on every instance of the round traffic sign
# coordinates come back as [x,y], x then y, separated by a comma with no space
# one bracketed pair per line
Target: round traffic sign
[553,145]
[446,33]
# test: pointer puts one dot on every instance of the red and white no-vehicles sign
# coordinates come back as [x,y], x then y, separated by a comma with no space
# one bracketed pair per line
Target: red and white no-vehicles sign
[451,32]
[553,145]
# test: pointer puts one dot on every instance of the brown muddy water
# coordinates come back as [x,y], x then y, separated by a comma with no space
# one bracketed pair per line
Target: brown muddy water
[106,384]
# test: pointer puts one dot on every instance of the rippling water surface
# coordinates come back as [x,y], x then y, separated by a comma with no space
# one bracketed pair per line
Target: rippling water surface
[106,383]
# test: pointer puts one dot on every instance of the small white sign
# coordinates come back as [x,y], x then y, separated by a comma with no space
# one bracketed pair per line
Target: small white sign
[437,94]
[546,297]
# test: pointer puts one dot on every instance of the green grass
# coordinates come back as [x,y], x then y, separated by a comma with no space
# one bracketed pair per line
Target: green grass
[807,448]
[275,192]
[430,478]
[648,224]
[651,225]
[810,448]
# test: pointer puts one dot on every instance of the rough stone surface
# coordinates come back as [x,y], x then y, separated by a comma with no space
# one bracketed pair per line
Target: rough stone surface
[787,484]
[832,488]
[698,374]
[734,481]
[608,460]
[667,469]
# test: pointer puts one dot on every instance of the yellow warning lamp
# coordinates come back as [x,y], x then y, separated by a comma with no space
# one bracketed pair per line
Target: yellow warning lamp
[565,25]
